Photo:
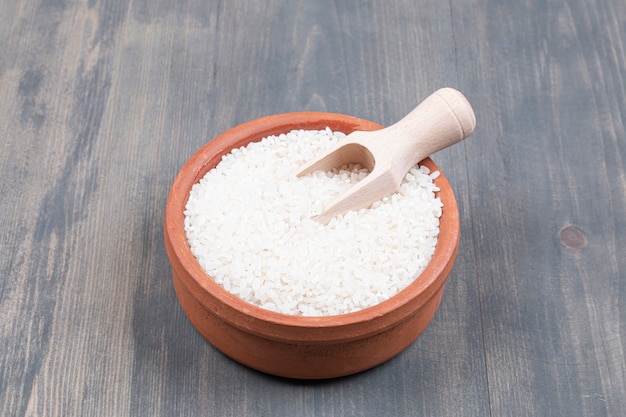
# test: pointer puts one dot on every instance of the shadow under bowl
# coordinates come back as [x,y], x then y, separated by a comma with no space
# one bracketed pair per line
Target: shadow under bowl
[296,346]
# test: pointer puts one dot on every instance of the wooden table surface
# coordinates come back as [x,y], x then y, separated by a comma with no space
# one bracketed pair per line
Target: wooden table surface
[101,102]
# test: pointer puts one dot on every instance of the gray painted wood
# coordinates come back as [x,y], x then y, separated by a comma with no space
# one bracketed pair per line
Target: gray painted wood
[102,102]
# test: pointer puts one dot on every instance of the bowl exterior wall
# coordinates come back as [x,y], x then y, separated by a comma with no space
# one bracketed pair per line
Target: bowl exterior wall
[318,360]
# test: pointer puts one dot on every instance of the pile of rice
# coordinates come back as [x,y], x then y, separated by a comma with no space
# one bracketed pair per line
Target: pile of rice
[248,223]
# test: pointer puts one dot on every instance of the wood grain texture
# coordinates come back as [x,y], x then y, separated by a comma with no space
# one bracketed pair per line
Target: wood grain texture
[553,312]
[101,102]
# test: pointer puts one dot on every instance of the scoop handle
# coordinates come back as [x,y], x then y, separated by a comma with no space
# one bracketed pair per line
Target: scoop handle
[442,119]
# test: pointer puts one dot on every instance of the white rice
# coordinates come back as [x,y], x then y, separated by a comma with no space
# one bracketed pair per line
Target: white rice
[248,223]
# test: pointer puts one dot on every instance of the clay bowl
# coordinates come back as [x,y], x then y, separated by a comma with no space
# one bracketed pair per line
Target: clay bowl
[294,346]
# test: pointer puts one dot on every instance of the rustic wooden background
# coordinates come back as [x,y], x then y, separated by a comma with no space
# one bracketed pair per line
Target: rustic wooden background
[101,102]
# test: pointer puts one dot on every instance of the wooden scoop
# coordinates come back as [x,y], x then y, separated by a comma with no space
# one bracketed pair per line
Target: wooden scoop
[441,120]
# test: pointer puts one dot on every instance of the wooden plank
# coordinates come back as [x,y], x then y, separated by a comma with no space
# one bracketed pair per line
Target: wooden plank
[102,102]
[547,196]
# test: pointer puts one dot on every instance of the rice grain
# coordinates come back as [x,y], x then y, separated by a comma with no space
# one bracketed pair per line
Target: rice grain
[249,224]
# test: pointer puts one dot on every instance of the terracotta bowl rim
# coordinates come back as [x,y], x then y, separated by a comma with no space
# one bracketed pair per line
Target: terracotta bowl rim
[246,316]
